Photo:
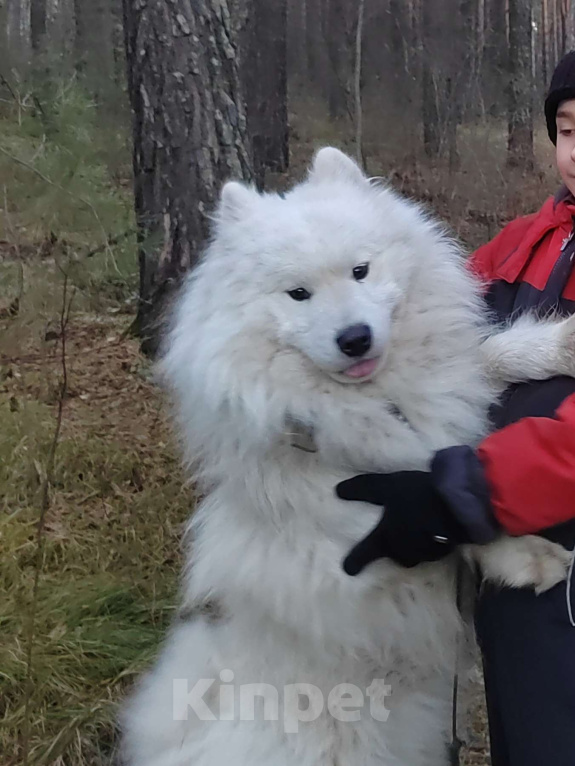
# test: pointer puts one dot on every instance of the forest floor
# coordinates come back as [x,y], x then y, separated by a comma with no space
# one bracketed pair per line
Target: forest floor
[92,500]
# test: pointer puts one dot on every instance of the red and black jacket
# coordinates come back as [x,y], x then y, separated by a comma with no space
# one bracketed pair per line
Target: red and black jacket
[521,479]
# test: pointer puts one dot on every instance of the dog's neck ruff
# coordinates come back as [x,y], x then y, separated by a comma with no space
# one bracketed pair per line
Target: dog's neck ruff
[302,435]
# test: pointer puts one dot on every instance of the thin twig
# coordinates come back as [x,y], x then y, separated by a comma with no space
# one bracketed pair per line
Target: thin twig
[44,506]
[357,84]
[20,102]
[14,306]
[5,82]
[56,185]
[38,104]
[9,224]
[111,241]
[40,148]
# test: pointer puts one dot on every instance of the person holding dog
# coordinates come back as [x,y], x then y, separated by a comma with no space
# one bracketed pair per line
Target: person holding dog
[520,480]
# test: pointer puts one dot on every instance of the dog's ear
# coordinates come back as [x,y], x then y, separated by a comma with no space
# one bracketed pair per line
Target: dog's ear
[235,201]
[330,164]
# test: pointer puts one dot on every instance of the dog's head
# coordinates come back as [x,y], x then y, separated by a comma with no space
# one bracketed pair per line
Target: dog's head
[320,270]
[338,281]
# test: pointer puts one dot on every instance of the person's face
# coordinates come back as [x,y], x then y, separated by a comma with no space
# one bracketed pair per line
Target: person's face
[565,150]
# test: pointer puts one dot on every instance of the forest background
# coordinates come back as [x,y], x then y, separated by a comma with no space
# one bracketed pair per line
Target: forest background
[118,123]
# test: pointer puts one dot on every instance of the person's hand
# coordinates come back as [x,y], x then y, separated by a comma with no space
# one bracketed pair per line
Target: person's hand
[416,524]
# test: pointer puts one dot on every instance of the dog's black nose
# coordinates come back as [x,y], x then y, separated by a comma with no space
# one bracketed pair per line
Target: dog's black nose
[355,340]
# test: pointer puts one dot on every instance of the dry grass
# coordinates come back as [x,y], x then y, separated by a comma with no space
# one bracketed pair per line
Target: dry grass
[110,565]
[117,501]
[110,561]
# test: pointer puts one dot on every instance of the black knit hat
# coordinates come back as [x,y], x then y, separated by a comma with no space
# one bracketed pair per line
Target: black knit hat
[562,88]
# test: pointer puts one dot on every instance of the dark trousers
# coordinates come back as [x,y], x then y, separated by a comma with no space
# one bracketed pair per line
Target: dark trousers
[528,646]
[527,641]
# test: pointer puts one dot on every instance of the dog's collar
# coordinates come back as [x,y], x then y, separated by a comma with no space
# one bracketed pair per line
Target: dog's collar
[397,413]
[302,435]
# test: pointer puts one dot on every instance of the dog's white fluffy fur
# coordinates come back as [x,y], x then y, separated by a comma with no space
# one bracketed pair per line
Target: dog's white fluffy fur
[248,367]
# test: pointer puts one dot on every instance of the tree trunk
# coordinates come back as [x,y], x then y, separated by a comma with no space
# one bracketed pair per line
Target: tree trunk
[189,135]
[494,72]
[399,53]
[303,34]
[568,13]
[4,37]
[313,27]
[480,38]
[264,79]
[555,30]
[520,94]
[80,35]
[340,58]
[358,83]
[544,43]
[117,41]
[453,98]
[37,24]
[430,104]
[18,32]
[94,44]
[297,46]
[461,86]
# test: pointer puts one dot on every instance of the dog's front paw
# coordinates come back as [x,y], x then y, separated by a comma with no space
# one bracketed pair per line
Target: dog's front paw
[521,562]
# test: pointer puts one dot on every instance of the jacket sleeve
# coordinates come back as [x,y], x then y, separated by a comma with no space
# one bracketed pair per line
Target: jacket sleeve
[529,468]
[520,480]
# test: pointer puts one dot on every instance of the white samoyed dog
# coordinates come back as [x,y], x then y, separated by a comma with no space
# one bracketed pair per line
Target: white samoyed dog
[325,333]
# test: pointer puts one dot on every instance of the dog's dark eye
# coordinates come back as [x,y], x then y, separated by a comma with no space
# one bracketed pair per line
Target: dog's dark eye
[360,272]
[299,294]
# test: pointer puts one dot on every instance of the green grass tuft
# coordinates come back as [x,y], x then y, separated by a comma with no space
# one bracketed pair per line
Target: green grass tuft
[108,575]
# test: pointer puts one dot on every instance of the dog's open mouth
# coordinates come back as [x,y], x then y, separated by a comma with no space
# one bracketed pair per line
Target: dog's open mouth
[362,369]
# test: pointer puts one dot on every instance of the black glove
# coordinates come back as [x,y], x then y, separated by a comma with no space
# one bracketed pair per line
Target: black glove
[416,525]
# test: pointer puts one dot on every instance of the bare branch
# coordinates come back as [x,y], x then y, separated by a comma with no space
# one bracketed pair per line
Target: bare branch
[111,241]
[48,480]
[4,81]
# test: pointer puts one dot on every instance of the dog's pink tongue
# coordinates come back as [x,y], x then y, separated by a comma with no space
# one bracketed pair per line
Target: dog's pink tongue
[361,369]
